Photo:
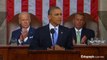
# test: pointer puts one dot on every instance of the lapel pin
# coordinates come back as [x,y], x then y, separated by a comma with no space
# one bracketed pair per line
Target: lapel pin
[61,32]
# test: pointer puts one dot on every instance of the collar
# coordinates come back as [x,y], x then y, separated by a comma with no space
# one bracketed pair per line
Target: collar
[52,27]
[27,28]
[78,30]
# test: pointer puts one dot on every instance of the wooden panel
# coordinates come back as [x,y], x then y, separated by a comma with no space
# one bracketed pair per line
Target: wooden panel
[103,52]
[92,50]
[3,53]
[54,55]
[86,50]
[18,53]
[22,53]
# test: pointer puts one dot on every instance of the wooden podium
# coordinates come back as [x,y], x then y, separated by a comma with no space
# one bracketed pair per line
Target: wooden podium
[54,55]
[23,53]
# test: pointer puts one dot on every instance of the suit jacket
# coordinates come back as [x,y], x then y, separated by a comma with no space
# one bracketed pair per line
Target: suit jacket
[85,32]
[16,35]
[42,39]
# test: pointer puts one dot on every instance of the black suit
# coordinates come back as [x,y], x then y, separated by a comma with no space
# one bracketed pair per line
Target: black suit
[42,39]
[85,32]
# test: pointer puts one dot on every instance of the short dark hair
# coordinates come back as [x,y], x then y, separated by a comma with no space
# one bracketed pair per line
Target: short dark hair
[52,8]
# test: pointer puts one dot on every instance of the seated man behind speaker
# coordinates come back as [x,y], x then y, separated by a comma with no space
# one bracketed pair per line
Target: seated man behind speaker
[80,33]
[25,33]
[52,36]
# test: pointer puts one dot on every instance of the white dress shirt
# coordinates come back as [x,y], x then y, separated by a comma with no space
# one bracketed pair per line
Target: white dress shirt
[52,27]
[80,30]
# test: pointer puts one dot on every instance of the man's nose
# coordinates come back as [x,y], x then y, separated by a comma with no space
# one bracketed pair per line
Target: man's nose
[60,15]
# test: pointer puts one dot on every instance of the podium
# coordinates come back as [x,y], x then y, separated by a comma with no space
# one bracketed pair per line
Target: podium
[54,55]
[23,53]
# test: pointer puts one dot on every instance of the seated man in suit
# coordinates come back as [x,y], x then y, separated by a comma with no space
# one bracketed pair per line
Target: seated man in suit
[25,34]
[52,36]
[80,34]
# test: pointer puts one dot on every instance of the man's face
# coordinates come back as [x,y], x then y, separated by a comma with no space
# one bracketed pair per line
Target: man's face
[55,17]
[79,21]
[24,20]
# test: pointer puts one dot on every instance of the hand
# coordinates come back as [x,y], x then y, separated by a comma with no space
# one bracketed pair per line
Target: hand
[50,48]
[74,43]
[57,47]
[24,34]
[83,41]
[21,37]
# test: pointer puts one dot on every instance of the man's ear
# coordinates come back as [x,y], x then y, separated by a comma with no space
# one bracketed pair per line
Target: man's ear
[49,17]
[73,21]
[19,22]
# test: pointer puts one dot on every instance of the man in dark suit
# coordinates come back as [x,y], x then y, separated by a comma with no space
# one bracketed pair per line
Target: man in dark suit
[25,33]
[44,38]
[80,34]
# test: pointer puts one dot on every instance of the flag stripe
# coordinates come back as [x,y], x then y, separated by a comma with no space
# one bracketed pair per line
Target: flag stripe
[10,14]
[39,9]
[17,6]
[25,5]
[66,9]
[94,9]
[80,5]
[73,6]
[32,6]
[10,9]
[87,6]
[52,3]
[45,11]
[59,3]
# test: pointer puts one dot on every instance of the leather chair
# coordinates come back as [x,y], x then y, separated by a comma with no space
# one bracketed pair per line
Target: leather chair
[90,23]
[14,25]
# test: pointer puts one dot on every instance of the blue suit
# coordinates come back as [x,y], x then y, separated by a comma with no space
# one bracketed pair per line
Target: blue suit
[42,39]
[85,32]
[16,35]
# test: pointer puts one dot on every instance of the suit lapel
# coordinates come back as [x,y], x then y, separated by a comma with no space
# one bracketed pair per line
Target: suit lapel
[60,33]
[30,32]
[19,33]
[82,33]
[48,34]
[74,35]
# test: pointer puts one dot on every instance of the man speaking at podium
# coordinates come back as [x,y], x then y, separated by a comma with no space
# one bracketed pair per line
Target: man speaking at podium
[52,36]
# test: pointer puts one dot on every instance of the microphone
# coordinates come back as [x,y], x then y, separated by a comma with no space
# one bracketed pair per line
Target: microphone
[52,31]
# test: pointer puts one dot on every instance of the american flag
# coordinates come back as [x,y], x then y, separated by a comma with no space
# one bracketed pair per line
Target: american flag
[40,8]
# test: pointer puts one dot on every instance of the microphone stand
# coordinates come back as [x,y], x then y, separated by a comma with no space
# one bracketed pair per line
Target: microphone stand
[52,31]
